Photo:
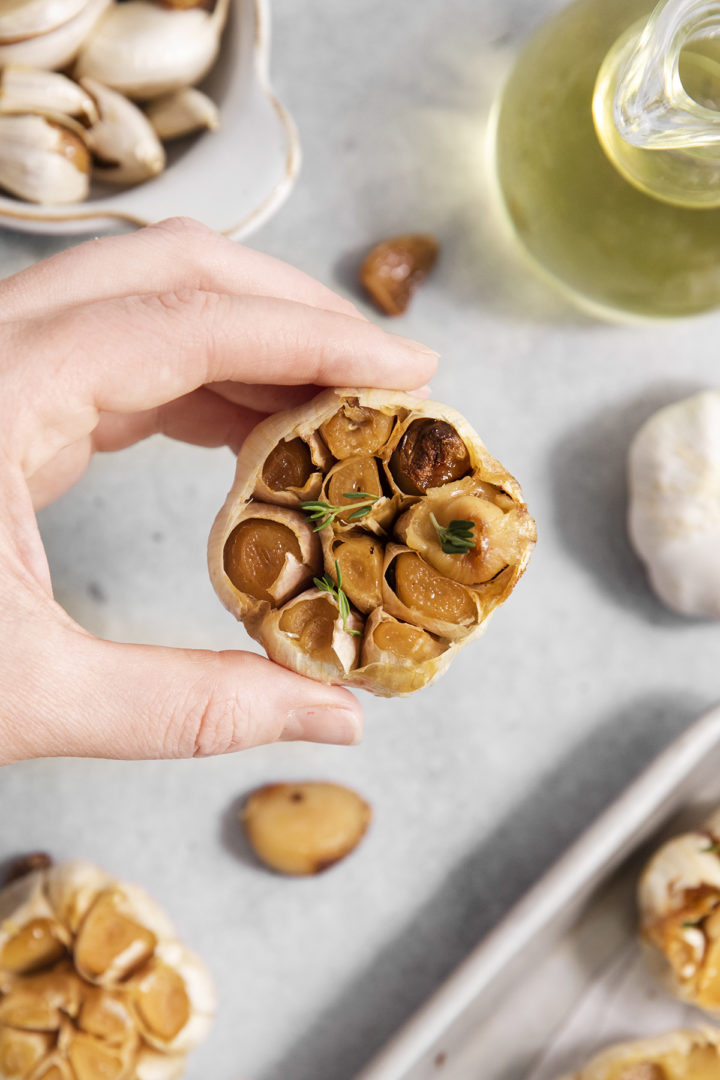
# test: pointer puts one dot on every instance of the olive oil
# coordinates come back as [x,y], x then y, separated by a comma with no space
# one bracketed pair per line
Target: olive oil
[615,247]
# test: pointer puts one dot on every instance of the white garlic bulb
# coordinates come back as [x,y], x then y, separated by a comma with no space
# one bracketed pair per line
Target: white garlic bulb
[674,516]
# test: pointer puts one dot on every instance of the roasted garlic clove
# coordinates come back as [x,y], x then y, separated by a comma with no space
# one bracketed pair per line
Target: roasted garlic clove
[418,594]
[355,429]
[500,531]
[182,112]
[304,828]
[310,634]
[679,900]
[293,471]
[386,454]
[269,554]
[692,1055]
[43,159]
[121,999]
[144,50]
[122,139]
[33,90]
[55,48]
[392,270]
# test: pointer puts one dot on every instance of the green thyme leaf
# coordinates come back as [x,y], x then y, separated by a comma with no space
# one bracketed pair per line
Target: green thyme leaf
[456,538]
[325,513]
[326,584]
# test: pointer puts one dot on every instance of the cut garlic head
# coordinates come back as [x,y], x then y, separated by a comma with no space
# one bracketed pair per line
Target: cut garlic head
[674,516]
[679,899]
[677,1055]
[93,982]
[145,50]
[420,532]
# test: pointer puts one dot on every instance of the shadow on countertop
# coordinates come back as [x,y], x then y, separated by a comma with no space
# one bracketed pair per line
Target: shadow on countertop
[484,887]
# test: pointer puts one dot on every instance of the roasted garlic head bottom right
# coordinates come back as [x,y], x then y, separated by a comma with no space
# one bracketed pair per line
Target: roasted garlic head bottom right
[679,1055]
[368,536]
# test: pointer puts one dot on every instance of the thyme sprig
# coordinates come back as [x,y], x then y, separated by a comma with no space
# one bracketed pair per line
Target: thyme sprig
[326,584]
[457,537]
[712,848]
[325,513]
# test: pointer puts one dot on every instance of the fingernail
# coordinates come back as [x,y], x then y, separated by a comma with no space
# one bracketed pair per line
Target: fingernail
[416,346]
[323,724]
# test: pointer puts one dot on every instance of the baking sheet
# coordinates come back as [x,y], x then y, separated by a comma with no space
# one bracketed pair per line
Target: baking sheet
[564,975]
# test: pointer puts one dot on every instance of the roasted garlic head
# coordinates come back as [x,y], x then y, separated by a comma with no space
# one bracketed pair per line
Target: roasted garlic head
[368,536]
[679,899]
[93,982]
[678,1055]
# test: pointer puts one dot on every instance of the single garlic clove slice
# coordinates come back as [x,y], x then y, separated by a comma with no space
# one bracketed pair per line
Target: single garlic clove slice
[21,1052]
[21,19]
[356,429]
[416,593]
[39,1002]
[502,532]
[360,558]
[304,828]
[123,138]
[33,90]
[173,999]
[144,50]
[43,159]
[308,634]
[118,935]
[182,112]
[56,48]
[268,553]
[292,473]
[692,1055]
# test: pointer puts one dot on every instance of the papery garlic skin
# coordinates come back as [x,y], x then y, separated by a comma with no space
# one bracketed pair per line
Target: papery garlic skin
[674,513]
[676,1051]
[144,50]
[679,903]
[366,483]
[121,997]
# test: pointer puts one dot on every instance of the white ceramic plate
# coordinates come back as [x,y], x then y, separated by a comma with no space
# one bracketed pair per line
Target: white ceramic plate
[562,976]
[232,179]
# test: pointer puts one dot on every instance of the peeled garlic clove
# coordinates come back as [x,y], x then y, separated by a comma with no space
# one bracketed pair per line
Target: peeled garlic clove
[268,554]
[173,999]
[58,47]
[27,18]
[355,429]
[31,937]
[33,90]
[674,515]
[687,1054]
[182,112]
[304,828]
[292,472]
[144,50]
[309,633]
[501,530]
[361,559]
[122,138]
[416,593]
[679,900]
[43,160]
[21,1052]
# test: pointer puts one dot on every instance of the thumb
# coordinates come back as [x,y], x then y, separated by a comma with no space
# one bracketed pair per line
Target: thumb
[96,698]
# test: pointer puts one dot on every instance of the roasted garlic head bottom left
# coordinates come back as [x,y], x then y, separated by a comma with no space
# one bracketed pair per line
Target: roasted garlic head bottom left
[93,981]
[367,537]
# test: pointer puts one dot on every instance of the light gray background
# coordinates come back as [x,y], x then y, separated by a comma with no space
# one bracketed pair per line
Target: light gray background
[481,781]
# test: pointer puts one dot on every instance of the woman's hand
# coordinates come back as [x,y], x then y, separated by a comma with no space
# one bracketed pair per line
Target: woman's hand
[171,329]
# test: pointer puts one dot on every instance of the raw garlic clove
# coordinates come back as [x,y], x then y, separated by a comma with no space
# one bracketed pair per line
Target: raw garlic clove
[122,138]
[144,50]
[173,999]
[21,19]
[182,112]
[33,90]
[43,159]
[309,635]
[58,47]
